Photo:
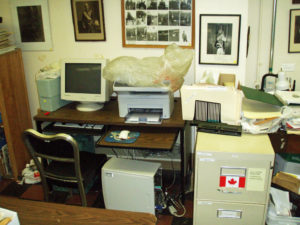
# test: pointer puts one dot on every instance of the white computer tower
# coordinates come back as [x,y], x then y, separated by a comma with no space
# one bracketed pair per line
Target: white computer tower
[232,179]
[130,184]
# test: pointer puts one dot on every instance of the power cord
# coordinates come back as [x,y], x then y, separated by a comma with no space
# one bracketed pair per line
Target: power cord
[174,206]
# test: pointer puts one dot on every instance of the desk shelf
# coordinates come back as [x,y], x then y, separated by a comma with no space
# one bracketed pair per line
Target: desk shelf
[150,138]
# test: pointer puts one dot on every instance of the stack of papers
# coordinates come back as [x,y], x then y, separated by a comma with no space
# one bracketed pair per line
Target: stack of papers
[258,110]
[288,97]
[5,45]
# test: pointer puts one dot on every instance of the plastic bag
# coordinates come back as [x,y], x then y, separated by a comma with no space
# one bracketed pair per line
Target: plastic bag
[167,70]
[30,174]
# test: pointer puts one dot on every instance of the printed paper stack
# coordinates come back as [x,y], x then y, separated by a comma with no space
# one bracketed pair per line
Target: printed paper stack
[5,45]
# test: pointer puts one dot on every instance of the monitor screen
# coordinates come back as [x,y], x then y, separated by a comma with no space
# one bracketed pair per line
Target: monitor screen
[83,78]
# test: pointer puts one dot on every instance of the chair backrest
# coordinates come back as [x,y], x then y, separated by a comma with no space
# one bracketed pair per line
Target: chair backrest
[58,147]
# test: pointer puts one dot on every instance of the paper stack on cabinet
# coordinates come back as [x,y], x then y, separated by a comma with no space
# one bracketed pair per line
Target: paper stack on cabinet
[5,45]
[288,97]
[258,110]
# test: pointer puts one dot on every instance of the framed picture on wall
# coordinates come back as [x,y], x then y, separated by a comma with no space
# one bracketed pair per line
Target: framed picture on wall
[296,1]
[31,24]
[88,20]
[158,23]
[294,33]
[219,39]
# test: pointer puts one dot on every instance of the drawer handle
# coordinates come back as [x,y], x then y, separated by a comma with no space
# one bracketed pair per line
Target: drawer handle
[228,192]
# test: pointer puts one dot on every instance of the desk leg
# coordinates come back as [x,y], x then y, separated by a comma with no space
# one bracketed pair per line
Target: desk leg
[39,126]
[182,164]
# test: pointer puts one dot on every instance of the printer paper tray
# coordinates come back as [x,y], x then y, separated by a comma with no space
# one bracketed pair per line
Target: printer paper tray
[144,117]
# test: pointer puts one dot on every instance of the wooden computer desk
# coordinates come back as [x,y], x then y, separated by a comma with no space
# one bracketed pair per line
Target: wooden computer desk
[153,136]
[37,213]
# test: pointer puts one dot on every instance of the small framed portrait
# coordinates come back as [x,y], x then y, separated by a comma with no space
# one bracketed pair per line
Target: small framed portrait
[158,23]
[31,25]
[296,1]
[88,20]
[219,39]
[294,33]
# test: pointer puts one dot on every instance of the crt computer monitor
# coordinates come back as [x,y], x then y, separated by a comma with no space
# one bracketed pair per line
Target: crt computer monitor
[82,80]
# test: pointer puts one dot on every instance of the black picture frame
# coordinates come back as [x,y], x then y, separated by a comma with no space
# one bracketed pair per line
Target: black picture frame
[88,20]
[219,39]
[294,31]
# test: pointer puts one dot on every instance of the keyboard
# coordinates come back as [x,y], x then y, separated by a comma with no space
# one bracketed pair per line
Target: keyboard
[80,126]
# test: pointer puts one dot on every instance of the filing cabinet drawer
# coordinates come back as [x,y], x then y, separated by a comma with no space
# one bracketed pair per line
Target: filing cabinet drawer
[237,180]
[223,213]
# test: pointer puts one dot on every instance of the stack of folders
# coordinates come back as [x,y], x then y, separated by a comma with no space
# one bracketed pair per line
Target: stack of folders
[5,45]
[261,112]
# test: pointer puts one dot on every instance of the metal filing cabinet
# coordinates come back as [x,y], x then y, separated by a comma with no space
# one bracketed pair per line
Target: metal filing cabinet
[232,179]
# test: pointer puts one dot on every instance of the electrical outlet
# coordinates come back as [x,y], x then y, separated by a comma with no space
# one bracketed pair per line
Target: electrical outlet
[288,67]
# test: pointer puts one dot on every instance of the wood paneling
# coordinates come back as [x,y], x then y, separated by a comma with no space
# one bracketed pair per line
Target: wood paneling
[14,108]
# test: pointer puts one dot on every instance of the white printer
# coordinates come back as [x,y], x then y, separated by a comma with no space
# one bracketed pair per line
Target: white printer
[144,104]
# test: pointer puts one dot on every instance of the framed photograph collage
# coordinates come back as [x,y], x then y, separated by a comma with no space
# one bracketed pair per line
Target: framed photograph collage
[158,23]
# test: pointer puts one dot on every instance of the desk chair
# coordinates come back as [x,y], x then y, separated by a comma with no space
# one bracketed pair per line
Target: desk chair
[62,164]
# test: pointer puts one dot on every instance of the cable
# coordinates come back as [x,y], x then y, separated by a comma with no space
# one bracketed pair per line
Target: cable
[115,152]
[174,175]
[173,209]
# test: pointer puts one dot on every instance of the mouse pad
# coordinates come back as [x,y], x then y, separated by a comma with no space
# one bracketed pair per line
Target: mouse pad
[113,137]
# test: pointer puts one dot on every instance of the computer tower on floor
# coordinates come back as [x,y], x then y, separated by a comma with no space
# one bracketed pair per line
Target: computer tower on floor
[130,184]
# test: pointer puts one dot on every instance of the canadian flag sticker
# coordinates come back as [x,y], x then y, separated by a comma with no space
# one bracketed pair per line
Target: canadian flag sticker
[232,181]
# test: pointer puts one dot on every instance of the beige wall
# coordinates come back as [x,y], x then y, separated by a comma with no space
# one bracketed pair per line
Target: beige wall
[248,71]
[260,20]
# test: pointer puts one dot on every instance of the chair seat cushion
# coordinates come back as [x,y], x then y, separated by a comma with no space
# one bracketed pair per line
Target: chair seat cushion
[90,166]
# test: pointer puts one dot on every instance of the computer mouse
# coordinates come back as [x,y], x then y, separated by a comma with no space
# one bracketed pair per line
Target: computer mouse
[124,134]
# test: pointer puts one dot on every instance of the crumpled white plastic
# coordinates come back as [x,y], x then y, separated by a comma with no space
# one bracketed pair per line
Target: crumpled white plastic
[167,70]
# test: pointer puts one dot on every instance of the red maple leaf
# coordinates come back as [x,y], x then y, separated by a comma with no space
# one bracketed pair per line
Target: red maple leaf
[232,181]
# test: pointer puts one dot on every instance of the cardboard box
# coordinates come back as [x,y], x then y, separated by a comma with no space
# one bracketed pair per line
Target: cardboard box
[226,79]
[229,98]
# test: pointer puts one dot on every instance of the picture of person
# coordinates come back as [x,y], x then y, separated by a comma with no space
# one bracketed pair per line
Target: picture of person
[162,5]
[88,17]
[297,30]
[140,4]
[220,42]
[184,36]
[31,23]
[219,39]
[152,4]
[130,4]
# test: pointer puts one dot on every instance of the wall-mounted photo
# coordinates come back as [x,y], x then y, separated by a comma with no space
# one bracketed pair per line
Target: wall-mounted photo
[88,20]
[31,24]
[219,39]
[294,34]
[158,23]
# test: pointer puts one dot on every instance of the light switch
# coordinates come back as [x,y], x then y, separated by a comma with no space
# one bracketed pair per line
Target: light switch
[288,67]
